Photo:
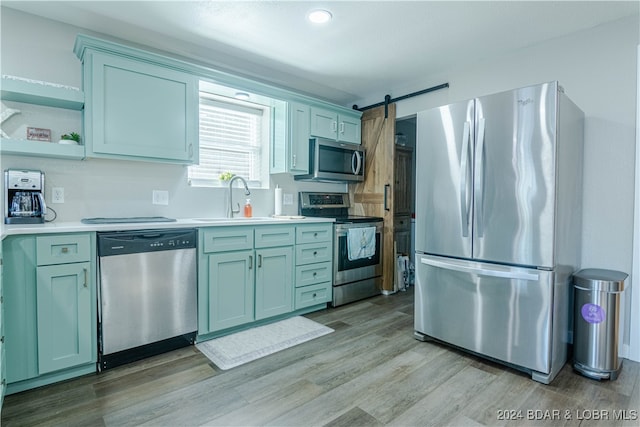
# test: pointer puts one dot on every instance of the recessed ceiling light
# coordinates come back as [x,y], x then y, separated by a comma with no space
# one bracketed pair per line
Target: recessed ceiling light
[242,95]
[319,16]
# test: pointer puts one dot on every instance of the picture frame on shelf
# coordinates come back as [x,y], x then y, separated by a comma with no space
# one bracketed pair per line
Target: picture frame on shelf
[39,134]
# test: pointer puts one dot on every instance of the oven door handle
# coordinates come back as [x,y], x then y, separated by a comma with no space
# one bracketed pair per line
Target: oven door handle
[341,230]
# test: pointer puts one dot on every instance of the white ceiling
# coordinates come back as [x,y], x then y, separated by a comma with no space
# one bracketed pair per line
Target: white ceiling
[369,49]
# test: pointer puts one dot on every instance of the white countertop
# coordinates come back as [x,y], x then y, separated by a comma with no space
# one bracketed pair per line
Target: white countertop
[77,226]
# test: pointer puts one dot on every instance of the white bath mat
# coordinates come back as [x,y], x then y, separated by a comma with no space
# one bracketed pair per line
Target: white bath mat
[242,347]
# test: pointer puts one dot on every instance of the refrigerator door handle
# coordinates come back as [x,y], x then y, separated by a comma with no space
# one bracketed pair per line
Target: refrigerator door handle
[478,182]
[497,271]
[464,159]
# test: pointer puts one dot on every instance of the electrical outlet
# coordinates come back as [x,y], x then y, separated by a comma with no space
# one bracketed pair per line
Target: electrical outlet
[57,195]
[287,199]
[160,197]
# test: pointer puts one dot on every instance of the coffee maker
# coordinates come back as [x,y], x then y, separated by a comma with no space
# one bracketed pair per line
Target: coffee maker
[24,197]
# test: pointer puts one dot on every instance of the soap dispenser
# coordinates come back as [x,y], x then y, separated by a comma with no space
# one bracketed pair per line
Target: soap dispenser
[247,209]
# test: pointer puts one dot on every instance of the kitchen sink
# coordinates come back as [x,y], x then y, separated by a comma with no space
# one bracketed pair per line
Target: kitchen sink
[260,218]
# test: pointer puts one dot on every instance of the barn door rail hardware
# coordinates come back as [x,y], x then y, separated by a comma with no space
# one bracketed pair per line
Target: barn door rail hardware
[388,100]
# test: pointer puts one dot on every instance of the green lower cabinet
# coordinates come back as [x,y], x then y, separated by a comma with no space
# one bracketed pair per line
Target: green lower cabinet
[21,331]
[314,266]
[230,290]
[274,282]
[50,308]
[311,295]
[64,316]
[3,365]
[250,275]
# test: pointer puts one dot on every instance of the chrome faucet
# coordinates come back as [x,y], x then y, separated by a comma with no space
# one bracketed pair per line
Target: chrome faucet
[230,209]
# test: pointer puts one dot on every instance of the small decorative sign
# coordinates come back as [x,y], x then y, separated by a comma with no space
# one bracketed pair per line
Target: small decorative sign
[592,313]
[39,134]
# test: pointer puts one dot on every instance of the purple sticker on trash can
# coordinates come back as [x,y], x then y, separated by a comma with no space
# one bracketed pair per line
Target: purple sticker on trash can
[592,313]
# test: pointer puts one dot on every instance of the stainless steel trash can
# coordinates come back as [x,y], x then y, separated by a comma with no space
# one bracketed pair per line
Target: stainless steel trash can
[596,322]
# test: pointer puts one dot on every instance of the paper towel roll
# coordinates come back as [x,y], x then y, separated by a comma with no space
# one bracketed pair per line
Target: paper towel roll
[278,201]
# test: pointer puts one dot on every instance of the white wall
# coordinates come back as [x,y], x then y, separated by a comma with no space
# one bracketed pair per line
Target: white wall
[634,341]
[598,69]
[42,49]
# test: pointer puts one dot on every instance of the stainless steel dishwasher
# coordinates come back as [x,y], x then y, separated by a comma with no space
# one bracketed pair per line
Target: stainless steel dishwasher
[147,293]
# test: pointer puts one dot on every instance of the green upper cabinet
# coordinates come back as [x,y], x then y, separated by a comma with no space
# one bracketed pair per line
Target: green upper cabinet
[137,108]
[292,154]
[338,125]
[309,120]
[299,132]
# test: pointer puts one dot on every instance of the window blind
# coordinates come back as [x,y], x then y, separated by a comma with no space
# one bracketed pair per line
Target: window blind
[230,141]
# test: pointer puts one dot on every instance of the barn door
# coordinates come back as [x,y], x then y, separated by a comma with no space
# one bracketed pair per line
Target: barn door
[374,196]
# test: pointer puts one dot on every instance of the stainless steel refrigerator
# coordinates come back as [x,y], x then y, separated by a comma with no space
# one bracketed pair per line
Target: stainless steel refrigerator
[498,225]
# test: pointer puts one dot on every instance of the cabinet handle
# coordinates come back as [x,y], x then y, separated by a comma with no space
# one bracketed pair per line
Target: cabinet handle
[85,277]
[250,262]
[342,127]
[293,161]
[334,126]
[2,339]
[190,151]
[314,295]
[315,253]
[259,261]
[315,234]
[64,250]
[315,273]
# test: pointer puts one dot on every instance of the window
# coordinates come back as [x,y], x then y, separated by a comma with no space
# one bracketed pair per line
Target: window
[234,137]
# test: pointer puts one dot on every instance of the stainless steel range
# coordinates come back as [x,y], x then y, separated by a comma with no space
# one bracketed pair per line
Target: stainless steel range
[357,246]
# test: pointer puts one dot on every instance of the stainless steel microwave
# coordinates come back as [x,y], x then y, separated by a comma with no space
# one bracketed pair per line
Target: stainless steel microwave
[334,162]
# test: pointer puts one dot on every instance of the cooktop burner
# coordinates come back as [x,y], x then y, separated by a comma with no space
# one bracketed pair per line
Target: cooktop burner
[126,220]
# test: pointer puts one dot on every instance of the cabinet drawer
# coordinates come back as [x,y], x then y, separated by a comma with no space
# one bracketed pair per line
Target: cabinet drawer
[311,274]
[222,239]
[278,235]
[313,252]
[312,295]
[314,233]
[63,249]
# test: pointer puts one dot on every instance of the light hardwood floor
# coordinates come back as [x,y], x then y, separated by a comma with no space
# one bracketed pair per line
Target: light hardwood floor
[369,372]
